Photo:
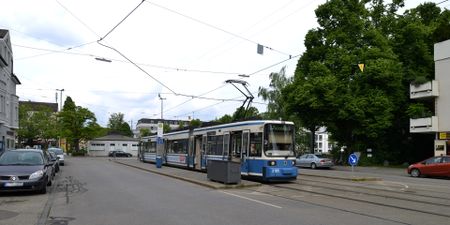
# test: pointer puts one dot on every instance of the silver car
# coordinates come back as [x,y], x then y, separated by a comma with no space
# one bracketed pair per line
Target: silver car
[59,153]
[314,161]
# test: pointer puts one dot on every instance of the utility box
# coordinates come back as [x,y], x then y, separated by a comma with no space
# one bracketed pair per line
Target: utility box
[227,172]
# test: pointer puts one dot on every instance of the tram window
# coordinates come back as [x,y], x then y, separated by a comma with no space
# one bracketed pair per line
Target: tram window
[215,145]
[255,144]
[180,146]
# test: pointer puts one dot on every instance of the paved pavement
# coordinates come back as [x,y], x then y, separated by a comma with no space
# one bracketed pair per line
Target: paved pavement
[345,173]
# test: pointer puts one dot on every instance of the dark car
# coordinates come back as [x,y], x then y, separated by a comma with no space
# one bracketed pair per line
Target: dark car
[434,166]
[118,153]
[54,158]
[25,170]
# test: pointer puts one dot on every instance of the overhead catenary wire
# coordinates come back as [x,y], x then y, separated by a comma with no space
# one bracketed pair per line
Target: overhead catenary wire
[78,19]
[216,27]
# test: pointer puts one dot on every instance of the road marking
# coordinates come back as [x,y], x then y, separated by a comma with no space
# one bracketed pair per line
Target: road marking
[405,186]
[253,200]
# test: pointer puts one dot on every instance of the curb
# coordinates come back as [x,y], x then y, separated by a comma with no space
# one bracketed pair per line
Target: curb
[225,186]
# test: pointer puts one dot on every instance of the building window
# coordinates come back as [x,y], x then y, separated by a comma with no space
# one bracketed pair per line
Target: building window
[125,145]
[112,144]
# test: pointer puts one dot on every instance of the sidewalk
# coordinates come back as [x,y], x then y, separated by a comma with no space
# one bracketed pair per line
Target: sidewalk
[183,174]
[200,178]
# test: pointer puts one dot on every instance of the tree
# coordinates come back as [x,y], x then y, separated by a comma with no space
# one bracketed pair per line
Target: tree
[37,125]
[144,132]
[195,123]
[28,129]
[330,90]
[276,106]
[117,124]
[77,123]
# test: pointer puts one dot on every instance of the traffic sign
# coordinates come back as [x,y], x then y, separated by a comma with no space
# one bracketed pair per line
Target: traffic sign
[352,159]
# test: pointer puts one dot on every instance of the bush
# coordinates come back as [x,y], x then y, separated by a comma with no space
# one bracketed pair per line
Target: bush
[81,152]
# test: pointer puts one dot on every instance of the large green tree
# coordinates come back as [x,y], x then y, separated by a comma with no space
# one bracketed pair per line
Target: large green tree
[367,107]
[117,123]
[36,125]
[329,89]
[77,123]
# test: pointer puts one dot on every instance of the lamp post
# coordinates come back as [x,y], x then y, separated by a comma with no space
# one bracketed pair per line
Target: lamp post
[60,98]
[162,99]
[60,109]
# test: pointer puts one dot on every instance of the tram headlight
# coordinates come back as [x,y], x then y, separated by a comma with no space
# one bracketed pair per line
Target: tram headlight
[272,163]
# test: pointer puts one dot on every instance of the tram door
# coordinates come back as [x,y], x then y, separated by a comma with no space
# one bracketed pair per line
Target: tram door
[236,146]
[198,153]
[244,152]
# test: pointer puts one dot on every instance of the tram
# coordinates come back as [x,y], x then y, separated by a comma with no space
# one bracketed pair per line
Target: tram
[264,148]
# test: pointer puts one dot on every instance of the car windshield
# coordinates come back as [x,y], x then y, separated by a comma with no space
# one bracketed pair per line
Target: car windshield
[56,151]
[279,140]
[21,158]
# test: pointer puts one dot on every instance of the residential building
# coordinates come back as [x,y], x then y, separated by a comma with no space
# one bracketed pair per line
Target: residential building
[103,145]
[438,92]
[9,101]
[322,143]
[152,125]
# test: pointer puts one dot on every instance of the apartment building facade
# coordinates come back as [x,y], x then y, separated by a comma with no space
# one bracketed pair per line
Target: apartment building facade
[9,101]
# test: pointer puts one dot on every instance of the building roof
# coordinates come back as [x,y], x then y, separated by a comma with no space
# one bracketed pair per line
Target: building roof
[115,137]
[36,106]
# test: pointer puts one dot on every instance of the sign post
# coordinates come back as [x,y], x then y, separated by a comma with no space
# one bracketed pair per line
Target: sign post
[353,160]
[159,145]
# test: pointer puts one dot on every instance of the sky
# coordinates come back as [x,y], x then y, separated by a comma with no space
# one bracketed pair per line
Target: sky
[176,50]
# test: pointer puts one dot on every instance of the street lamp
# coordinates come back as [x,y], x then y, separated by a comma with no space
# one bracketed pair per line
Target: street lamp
[162,99]
[103,59]
[60,98]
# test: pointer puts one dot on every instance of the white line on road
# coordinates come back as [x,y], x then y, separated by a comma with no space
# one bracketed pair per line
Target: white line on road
[253,200]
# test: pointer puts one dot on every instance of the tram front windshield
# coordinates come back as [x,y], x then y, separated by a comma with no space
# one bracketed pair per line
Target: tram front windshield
[279,140]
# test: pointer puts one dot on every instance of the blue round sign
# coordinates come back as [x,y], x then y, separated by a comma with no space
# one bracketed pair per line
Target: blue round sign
[352,159]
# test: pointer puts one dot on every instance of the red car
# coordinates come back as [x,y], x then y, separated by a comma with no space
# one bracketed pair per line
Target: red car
[434,166]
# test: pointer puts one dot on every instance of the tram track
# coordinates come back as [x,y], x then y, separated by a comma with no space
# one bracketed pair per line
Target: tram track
[371,202]
[387,194]
[409,191]
[333,207]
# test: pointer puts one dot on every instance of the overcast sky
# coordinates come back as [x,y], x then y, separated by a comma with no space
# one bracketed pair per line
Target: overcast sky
[183,48]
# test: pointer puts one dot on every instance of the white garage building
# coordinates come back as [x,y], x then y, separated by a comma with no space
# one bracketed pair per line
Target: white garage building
[103,145]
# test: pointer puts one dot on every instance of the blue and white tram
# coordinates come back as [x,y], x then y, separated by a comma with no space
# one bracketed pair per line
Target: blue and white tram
[264,148]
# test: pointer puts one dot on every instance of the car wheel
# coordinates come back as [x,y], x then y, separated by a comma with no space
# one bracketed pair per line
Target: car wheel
[43,190]
[415,173]
[313,166]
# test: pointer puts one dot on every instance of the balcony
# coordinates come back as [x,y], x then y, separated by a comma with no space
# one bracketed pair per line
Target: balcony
[426,90]
[423,125]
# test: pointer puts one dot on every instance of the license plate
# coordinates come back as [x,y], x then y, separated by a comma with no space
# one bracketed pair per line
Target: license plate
[13,184]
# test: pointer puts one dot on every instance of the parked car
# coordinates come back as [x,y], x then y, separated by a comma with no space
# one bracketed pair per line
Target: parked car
[59,153]
[25,170]
[55,160]
[314,161]
[118,153]
[434,166]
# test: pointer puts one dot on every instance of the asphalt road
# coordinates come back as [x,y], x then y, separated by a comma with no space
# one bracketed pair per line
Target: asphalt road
[109,193]
[98,191]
